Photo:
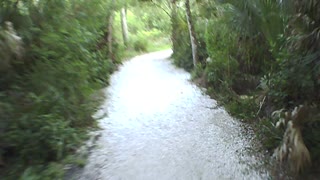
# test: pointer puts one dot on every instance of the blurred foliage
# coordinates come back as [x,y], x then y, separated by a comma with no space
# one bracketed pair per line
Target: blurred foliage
[54,55]
[222,66]
[256,57]
[148,26]
[180,38]
[260,56]
[50,67]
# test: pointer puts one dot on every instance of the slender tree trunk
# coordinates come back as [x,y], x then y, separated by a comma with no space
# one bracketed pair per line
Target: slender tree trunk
[174,19]
[110,35]
[107,39]
[124,25]
[193,38]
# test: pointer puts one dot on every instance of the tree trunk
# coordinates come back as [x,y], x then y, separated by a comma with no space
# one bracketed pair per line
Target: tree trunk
[124,25]
[193,38]
[174,19]
[109,38]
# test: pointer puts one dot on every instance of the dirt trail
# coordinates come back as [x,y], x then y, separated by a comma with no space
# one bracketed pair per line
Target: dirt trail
[161,126]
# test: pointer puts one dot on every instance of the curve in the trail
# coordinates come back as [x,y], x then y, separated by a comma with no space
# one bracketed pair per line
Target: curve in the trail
[161,126]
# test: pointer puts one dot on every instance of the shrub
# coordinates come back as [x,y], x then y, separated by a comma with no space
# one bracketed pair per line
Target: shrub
[222,66]
[140,45]
[182,54]
[46,102]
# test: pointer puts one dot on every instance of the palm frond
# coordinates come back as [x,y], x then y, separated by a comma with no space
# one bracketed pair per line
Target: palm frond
[293,148]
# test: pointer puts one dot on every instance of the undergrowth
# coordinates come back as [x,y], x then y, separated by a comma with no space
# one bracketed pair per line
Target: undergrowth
[50,67]
[259,58]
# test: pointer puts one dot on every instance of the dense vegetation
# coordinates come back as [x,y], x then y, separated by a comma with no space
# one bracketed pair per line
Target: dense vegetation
[260,59]
[50,66]
[54,56]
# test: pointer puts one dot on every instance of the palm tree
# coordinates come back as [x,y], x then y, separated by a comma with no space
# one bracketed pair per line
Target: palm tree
[293,27]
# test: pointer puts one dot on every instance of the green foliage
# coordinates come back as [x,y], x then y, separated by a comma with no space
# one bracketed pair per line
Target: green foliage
[52,69]
[148,28]
[247,41]
[78,160]
[51,171]
[53,134]
[53,58]
[140,45]
[268,134]
[182,54]
[243,108]
[197,72]
[200,29]
[141,40]
[222,67]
